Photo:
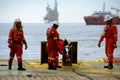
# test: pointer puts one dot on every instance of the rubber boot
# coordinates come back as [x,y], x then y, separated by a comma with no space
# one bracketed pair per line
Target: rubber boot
[106,66]
[58,66]
[9,65]
[51,67]
[20,67]
[110,65]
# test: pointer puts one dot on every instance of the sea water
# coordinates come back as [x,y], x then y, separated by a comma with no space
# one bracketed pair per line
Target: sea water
[87,37]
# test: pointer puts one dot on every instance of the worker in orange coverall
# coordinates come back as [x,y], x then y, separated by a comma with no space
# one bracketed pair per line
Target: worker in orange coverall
[15,43]
[54,45]
[110,34]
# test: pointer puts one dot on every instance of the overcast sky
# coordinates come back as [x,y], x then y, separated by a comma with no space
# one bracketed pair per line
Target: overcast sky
[70,11]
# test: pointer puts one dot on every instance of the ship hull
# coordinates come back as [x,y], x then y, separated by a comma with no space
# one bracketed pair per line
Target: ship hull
[90,20]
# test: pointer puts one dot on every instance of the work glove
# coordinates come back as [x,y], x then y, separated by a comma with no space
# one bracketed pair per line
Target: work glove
[9,45]
[26,46]
[114,45]
[99,44]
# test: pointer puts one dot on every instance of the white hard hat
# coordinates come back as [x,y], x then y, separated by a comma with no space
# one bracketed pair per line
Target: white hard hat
[68,42]
[17,20]
[56,22]
[107,18]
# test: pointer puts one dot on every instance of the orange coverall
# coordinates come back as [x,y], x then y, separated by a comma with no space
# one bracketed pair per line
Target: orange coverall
[110,34]
[52,44]
[16,40]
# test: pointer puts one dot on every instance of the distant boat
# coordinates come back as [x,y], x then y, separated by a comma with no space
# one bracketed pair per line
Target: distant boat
[52,14]
[97,18]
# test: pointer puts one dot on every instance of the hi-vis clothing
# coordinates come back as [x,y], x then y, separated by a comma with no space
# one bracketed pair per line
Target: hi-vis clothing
[16,40]
[110,34]
[52,45]
[60,45]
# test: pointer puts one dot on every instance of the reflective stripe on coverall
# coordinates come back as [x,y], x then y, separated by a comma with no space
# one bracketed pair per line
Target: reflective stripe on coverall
[16,39]
[110,34]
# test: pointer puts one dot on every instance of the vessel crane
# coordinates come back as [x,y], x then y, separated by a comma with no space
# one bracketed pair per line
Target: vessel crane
[117,10]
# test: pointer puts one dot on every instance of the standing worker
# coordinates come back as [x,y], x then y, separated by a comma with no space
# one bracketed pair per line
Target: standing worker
[15,43]
[110,34]
[52,44]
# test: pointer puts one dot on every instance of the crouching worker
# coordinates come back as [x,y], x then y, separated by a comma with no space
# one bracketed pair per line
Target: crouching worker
[15,43]
[54,46]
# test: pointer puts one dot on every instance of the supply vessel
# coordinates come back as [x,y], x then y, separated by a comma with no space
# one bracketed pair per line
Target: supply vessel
[97,18]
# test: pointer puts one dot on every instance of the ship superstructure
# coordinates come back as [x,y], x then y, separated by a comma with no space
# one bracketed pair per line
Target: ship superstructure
[97,18]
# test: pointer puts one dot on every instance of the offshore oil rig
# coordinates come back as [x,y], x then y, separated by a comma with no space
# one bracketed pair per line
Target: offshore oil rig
[52,14]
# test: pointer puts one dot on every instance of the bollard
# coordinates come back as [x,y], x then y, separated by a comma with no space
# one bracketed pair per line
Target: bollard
[44,53]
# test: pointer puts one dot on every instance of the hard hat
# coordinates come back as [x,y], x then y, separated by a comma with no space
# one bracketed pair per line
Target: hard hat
[17,20]
[67,42]
[56,22]
[107,18]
